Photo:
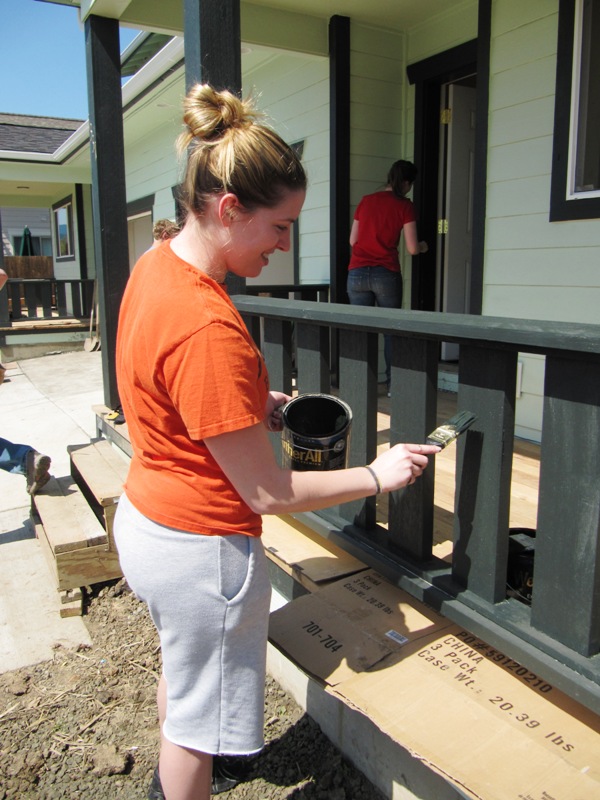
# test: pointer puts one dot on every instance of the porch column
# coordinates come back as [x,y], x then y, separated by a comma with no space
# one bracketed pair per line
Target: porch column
[213,54]
[4,315]
[339,145]
[109,206]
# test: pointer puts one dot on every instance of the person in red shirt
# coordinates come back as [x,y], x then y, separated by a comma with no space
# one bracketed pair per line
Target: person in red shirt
[374,274]
[195,392]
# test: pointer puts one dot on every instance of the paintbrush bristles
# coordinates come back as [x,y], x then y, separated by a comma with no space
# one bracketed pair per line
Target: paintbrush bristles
[450,430]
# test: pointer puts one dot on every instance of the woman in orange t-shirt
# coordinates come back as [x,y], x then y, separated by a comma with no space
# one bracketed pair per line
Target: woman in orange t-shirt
[195,393]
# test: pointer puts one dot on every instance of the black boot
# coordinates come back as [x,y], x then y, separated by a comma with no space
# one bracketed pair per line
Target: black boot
[155,791]
[227,772]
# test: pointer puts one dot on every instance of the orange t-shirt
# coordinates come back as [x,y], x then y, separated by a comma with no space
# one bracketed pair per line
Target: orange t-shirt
[187,368]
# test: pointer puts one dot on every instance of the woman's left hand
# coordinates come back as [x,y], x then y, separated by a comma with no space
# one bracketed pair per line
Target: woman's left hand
[273,421]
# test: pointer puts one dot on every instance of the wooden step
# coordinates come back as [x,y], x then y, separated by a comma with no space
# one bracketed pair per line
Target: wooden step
[100,473]
[75,543]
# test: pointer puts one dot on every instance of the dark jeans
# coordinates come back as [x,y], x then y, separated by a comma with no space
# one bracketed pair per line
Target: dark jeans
[376,286]
[13,456]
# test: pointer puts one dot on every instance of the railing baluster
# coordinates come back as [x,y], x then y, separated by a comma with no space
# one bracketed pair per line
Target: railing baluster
[16,289]
[46,292]
[277,350]
[61,299]
[358,388]
[75,289]
[487,386]
[412,417]
[312,358]
[31,299]
[566,587]
[4,313]
[253,323]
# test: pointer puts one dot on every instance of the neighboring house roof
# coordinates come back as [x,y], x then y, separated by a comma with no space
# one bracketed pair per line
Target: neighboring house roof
[28,134]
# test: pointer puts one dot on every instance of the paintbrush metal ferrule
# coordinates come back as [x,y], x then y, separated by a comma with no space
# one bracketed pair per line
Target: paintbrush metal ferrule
[450,430]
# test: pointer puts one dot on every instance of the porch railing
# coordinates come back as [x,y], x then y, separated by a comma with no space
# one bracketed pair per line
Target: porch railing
[44,299]
[554,640]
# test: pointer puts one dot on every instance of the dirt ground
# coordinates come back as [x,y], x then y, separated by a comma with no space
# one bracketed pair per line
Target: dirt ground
[84,725]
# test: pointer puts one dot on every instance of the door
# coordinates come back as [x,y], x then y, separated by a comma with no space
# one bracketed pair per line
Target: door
[139,229]
[455,203]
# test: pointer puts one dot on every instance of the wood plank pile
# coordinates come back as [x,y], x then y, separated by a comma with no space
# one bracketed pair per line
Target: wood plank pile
[73,517]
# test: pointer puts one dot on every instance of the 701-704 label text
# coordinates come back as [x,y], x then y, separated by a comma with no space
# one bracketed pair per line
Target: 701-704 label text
[324,638]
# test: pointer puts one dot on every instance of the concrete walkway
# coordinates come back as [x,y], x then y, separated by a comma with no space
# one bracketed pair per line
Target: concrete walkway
[45,402]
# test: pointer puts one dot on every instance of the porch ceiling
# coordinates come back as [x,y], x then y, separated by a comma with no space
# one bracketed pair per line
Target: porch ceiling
[167,15]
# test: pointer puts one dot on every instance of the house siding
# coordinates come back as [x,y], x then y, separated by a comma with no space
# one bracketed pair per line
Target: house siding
[534,268]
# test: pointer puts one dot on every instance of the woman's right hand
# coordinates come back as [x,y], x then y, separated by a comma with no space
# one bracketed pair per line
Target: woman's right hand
[402,464]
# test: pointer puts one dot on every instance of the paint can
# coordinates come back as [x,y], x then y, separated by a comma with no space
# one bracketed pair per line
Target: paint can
[315,433]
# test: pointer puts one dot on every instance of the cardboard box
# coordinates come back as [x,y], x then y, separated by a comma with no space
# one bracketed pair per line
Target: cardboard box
[477,717]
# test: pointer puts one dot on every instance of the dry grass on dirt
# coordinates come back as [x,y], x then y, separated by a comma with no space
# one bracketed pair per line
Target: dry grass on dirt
[84,725]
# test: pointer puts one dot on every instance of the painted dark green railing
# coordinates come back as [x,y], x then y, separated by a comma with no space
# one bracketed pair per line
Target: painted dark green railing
[557,637]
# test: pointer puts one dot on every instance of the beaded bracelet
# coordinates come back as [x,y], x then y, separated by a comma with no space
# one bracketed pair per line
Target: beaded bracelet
[376,479]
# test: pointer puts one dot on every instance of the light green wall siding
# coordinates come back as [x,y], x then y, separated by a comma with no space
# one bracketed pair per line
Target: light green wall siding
[534,268]
[376,111]
[293,90]
[285,30]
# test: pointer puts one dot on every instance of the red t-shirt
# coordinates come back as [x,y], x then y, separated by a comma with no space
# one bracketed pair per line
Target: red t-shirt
[381,217]
[187,368]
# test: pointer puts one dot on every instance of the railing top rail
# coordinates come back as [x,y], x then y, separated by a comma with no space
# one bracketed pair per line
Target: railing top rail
[534,336]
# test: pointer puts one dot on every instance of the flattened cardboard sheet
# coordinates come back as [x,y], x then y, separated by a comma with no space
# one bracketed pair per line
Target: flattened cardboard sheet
[349,626]
[309,558]
[482,720]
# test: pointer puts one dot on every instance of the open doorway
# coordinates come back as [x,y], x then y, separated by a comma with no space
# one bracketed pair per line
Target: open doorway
[450,151]
[455,202]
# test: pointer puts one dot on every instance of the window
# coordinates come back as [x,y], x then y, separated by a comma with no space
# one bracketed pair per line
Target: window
[42,245]
[576,157]
[64,247]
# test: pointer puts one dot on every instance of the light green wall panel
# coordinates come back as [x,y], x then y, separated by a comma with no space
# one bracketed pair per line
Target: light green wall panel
[315,270]
[533,231]
[524,43]
[521,159]
[511,14]
[368,40]
[526,83]
[284,29]
[522,196]
[455,25]
[552,266]
[377,141]
[567,303]
[525,121]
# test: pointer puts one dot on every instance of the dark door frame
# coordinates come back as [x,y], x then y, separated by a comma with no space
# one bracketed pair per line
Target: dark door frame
[428,77]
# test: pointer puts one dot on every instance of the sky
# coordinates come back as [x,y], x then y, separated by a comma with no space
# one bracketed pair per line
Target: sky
[42,60]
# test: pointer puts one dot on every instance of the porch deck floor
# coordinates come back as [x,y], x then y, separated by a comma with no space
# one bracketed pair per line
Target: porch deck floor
[524,486]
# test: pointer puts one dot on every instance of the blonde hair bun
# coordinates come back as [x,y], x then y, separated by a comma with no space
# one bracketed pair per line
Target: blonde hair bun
[209,114]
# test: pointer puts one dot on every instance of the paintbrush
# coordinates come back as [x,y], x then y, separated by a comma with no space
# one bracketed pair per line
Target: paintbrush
[450,430]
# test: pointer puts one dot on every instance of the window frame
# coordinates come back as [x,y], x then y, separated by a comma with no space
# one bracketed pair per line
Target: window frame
[66,204]
[562,205]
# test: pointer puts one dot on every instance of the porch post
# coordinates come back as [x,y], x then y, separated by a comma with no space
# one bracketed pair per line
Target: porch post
[339,145]
[4,315]
[213,54]
[109,206]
